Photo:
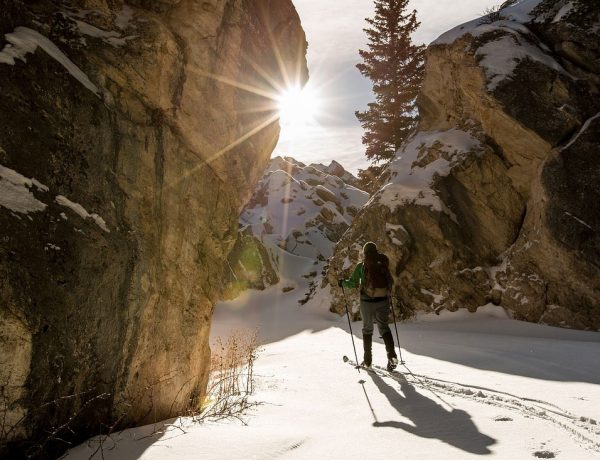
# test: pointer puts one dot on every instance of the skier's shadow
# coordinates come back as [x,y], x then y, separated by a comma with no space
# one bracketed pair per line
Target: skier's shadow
[431,420]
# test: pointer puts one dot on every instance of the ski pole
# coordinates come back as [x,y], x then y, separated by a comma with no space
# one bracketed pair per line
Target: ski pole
[396,327]
[350,324]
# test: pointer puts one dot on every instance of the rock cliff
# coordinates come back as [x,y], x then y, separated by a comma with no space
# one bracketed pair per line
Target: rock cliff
[131,135]
[496,197]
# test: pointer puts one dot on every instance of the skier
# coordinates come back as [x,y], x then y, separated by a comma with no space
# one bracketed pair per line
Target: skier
[373,277]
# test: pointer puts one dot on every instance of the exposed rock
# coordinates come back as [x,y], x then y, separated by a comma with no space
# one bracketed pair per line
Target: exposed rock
[128,148]
[296,209]
[336,169]
[498,191]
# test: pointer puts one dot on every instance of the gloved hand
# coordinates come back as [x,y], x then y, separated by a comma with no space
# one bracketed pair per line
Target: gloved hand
[340,283]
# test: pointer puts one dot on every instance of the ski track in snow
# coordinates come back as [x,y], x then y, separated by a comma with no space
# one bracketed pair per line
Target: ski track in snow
[579,427]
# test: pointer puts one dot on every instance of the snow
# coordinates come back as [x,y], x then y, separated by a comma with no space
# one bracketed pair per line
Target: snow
[25,41]
[501,57]
[579,220]
[15,192]
[563,12]
[583,129]
[520,13]
[111,37]
[124,17]
[411,183]
[297,205]
[474,384]
[437,298]
[81,211]
[114,38]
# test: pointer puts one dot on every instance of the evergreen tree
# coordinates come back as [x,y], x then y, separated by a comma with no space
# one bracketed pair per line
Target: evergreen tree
[395,66]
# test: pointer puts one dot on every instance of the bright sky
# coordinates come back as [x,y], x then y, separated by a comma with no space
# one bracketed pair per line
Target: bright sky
[334,33]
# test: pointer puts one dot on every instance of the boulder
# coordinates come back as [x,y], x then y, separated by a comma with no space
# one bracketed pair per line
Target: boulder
[497,193]
[129,143]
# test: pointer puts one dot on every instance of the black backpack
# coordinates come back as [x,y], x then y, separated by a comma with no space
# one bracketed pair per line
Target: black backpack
[377,276]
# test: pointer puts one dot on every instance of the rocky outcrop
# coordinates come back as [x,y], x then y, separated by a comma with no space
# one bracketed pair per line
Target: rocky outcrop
[297,213]
[495,197]
[131,135]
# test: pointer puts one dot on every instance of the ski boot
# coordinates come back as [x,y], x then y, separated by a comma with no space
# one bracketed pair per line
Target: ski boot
[391,352]
[368,355]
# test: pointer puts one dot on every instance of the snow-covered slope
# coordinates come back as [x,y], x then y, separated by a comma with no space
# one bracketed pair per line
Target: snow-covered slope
[296,210]
[305,209]
[474,384]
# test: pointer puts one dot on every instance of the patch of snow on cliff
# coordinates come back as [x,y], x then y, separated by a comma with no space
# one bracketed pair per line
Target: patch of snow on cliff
[81,211]
[563,12]
[501,57]
[109,36]
[437,298]
[15,192]
[583,129]
[520,13]
[24,41]
[411,183]
[124,18]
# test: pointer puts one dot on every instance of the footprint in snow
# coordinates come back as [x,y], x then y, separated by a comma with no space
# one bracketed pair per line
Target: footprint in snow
[503,419]
[544,454]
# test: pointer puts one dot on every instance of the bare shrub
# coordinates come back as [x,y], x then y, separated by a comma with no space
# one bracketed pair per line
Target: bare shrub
[231,381]
[492,14]
[230,386]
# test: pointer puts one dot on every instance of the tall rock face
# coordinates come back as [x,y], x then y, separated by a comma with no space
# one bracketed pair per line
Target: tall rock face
[496,197]
[131,135]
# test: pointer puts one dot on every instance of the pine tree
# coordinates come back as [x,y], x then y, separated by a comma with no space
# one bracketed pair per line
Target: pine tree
[395,66]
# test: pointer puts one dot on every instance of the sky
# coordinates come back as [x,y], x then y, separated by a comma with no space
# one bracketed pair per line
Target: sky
[334,31]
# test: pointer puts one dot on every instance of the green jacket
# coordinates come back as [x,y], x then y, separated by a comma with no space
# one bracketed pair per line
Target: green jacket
[357,278]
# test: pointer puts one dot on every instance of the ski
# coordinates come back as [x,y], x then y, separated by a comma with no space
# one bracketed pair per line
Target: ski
[382,371]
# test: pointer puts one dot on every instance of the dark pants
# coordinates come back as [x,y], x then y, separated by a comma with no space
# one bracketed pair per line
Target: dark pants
[378,312]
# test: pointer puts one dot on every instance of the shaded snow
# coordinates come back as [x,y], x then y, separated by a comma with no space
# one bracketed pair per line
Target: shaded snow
[124,17]
[109,36]
[81,211]
[25,41]
[475,384]
[15,192]
[583,129]
[563,12]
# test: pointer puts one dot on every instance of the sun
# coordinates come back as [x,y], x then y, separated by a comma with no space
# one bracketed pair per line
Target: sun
[298,107]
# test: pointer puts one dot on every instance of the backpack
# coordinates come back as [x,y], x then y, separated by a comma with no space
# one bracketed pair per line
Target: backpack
[376,276]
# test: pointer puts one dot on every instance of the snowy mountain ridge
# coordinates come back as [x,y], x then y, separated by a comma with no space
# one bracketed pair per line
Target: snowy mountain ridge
[295,209]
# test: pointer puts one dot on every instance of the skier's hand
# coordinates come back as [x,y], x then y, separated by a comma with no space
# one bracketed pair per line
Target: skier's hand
[340,283]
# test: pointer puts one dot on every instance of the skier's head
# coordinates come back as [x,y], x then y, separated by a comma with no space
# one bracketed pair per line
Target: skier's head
[369,250]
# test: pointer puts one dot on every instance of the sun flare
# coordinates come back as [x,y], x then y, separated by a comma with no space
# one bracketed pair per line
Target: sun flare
[298,107]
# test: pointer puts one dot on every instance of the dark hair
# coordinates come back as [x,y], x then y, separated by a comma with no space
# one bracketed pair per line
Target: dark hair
[369,251]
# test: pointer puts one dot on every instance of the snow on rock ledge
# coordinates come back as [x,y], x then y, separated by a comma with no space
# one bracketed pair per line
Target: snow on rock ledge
[510,213]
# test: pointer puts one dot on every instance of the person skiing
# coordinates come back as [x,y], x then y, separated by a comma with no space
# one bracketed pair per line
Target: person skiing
[373,277]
